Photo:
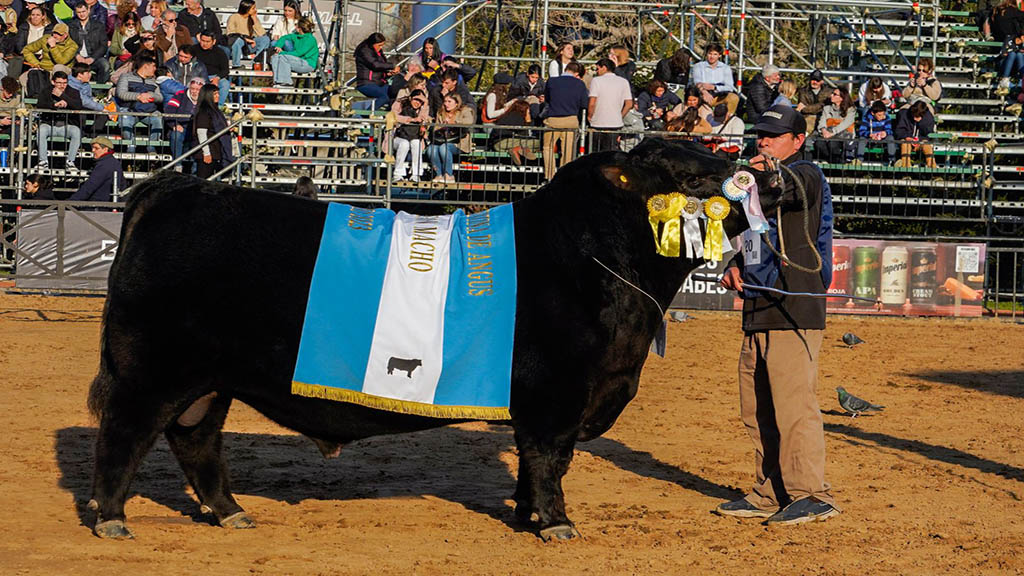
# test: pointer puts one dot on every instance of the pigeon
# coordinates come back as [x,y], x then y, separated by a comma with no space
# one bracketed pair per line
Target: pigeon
[851,339]
[854,405]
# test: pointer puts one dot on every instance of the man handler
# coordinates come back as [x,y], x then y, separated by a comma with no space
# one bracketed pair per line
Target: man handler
[778,367]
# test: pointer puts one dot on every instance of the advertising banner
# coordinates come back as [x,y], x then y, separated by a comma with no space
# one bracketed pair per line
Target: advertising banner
[908,278]
[66,250]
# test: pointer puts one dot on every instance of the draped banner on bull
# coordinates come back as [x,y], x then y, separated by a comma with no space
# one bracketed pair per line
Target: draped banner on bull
[413,314]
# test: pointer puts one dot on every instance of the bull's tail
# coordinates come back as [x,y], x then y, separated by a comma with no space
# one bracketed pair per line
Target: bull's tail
[103,383]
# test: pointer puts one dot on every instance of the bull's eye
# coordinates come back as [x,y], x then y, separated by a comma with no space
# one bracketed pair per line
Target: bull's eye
[695,183]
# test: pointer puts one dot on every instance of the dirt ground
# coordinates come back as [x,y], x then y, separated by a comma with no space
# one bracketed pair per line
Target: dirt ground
[932,486]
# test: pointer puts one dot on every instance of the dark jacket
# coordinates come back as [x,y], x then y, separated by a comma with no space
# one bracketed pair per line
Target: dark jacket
[759,97]
[626,71]
[181,38]
[813,103]
[46,101]
[371,66]
[22,39]
[185,72]
[180,103]
[565,96]
[214,123]
[906,127]
[100,185]
[215,60]
[663,71]
[206,20]
[435,98]
[94,37]
[521,86]
[773,312]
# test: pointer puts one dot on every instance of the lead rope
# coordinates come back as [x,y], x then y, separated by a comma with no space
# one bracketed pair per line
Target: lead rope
[781,253]
[634,286]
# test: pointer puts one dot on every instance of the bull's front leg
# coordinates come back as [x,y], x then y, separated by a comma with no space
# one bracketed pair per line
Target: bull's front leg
[539,497]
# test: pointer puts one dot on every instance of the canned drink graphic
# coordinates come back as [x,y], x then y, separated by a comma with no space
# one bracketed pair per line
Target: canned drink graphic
[866,268]
[3,157]
[895,269]
[840,273]
[924,265]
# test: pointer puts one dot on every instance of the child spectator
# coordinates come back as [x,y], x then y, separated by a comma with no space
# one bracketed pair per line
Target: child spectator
[913,125]
[446,142]
[411,115]
[168,85]
[245,32]
[875,126]
[654,103]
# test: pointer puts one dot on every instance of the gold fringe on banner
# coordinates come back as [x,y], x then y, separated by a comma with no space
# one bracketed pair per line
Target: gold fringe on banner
[400,406]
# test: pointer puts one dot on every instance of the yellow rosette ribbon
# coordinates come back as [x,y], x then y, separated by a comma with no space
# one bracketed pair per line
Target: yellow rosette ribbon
[716,209]
[663,212]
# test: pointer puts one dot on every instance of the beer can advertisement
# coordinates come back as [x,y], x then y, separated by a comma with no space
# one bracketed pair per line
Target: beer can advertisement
[905,278]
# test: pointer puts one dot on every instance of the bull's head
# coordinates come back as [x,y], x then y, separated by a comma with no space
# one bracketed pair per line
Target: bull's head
[658,166]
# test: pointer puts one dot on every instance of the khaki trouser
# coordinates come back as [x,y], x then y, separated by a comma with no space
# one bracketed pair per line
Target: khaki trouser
[779,406]
[567,138]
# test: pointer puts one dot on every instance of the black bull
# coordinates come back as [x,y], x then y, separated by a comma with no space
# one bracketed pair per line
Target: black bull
[207,296]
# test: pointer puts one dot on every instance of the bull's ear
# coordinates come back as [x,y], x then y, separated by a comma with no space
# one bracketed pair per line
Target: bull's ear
[618,176]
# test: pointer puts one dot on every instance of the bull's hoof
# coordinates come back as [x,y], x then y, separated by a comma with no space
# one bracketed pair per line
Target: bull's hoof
[238,521]
[559,532]
[113,529]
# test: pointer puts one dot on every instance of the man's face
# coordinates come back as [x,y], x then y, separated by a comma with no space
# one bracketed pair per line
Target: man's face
[206,42]
[194,88]
[448,85]
[147,70]
[82,12]
[816,84]
[59,84]
[98,150]
[780,146]
[774,79]
[713,56]
[59,37]
[601,70]
[184,57]
[85,76]
[192,5]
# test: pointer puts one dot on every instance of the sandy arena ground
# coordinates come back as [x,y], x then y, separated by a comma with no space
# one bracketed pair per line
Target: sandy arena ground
[933,486]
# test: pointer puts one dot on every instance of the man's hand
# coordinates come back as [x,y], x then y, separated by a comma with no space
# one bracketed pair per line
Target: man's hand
[207,159]
[60,104]
[800,107]
[731,279]
[6,121]
[827,133]
[51,42]
[145,97]
[179,128]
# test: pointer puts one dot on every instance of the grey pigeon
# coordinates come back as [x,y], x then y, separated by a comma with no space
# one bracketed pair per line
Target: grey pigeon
[851,339]
[854,405]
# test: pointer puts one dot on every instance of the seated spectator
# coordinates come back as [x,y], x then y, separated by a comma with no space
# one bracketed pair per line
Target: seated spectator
[207,120]
[372,68]
[198,19]
[675,69]
[923,86]
[610,100]
[496,100]
[39,187]
[812,98]
[836,127]
[787,94]
[566,97]
[874,89]
[399,87]
[725,138]
[449,85]
[447,140]
[56,50]
[182,103]
[216,62]
[762,90]
[429,57]
[106,175]
[118,12]
[154,17]
[875,126]
[97,12]
[91,38]
[913,127]
[58,123]
[81,75]
[8,19]
[184,66]
[137,92]
[285,25]
[246,33]
[128,29]
[624,67]
[170,36]
[515,142]
[412,116]
[449,62]
[305,188]
[530,85]
[654,103]
[714,78]
[301,59]
[10,101]
[1006,25]
[167,84]
[32,27]
[145,42]
[691,116]
[566,53]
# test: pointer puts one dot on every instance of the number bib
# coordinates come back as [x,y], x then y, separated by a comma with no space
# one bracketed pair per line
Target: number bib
[751,248]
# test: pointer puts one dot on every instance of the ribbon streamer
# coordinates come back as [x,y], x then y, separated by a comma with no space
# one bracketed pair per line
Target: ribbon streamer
[752,208]
[691,229]
[716,209]
[664,211]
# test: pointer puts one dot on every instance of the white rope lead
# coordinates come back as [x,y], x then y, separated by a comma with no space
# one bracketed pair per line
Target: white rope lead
[635,287]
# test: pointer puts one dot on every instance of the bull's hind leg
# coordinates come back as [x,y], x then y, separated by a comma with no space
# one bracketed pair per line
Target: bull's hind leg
[539,497]
[196,440]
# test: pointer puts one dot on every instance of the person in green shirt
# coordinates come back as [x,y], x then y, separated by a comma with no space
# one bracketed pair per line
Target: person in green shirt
[301,58]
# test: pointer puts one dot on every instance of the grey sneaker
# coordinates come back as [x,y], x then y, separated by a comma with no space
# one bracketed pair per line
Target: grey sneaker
[742,509]
[803,510]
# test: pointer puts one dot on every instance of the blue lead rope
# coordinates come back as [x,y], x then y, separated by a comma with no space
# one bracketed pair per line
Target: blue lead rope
[787,293]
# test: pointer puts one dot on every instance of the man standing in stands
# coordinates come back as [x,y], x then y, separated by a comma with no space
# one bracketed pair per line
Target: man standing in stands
[778,367]
[762,91]
[198,19]
[611,98]
[216,62]
[105,175]
[91,37]
[811,99]
[566,96]
[183,103]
